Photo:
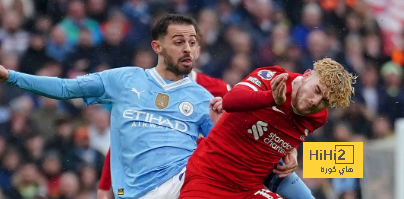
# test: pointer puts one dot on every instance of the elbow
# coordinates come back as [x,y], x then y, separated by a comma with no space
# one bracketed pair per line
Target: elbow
[227,104]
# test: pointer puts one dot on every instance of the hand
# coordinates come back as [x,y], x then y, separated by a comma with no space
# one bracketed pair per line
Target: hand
[216,104]
[278,87]
[290,166]
[3,74]
[216,109]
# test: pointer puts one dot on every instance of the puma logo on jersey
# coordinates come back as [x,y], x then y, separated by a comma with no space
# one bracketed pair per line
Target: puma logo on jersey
[137,92]
[258,129]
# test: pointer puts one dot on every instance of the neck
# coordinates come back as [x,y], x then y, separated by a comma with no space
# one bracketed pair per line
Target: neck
[161,69]
[296,83]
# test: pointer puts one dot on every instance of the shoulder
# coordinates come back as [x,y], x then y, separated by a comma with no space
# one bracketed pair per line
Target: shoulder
[318,119]
[202,90]
[118,74]
[268,72]
[201,78]
[262,77]
[197,91]
[215,86]
[126,69]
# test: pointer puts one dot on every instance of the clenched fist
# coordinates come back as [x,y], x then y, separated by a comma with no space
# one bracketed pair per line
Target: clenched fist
[216,109]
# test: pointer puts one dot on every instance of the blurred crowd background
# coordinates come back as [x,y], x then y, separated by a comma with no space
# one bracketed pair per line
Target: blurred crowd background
[55,149]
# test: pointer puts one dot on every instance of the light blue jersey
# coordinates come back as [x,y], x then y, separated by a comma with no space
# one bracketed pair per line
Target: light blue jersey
[154,125]
[154,122]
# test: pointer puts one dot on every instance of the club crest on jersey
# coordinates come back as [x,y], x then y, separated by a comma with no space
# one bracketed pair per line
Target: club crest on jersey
[266,74]
[186,108]
[161,101]
[121,191]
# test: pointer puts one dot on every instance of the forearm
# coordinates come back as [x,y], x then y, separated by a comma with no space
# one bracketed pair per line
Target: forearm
[243,99]
[293,152]
[51,87]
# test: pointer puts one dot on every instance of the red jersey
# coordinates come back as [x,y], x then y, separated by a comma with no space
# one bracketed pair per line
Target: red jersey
[215,86]
[244,147]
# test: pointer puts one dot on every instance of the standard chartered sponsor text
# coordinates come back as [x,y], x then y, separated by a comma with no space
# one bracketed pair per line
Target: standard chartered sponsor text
[277,143]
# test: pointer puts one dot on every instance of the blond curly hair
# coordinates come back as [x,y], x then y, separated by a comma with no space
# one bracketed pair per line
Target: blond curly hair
[338,82]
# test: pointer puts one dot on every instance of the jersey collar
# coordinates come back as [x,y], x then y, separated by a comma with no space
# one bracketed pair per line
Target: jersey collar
[169,86]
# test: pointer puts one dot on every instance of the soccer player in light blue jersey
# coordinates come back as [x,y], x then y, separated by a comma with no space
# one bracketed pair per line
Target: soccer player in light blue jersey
[157,114]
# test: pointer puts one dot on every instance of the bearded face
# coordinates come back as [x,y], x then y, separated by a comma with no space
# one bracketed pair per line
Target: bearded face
[181,66]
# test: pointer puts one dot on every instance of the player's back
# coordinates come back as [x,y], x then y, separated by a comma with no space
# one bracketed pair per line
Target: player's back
[243,147]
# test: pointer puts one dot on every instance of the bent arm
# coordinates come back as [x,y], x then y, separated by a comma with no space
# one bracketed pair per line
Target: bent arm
[243,98]
[51,87]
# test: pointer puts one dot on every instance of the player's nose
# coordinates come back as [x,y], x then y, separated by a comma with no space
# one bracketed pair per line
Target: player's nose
[315,100]
[187,48]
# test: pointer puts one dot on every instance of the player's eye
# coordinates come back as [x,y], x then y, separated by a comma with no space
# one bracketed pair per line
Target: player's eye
[318,91]
[178,42]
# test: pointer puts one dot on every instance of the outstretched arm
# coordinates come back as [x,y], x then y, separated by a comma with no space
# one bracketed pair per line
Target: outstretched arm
[51,87]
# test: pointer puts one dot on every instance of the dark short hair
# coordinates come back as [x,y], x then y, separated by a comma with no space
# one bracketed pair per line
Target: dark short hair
[160,29]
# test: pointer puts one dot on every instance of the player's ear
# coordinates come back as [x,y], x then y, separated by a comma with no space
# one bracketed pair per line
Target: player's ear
[306,74]
[198,52]
[156,46]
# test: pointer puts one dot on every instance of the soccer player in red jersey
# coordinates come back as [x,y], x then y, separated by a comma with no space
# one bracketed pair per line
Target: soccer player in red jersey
[268,114]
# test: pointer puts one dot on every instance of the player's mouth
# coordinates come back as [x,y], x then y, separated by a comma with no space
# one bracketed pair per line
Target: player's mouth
[187,61]
[306,106]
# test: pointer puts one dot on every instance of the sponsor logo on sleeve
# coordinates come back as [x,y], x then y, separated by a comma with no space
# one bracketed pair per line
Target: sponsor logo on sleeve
[255,80]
